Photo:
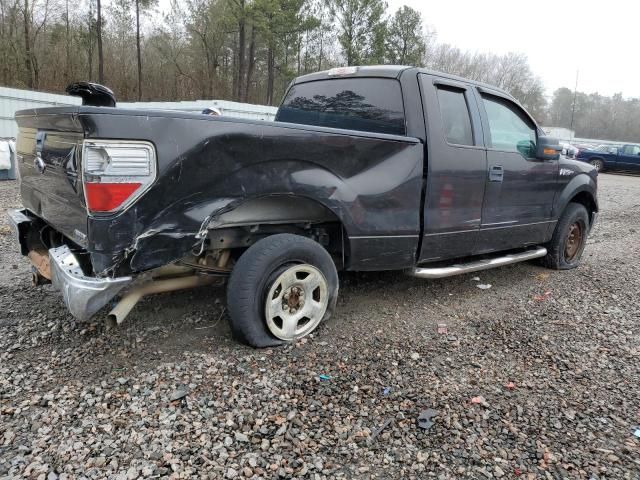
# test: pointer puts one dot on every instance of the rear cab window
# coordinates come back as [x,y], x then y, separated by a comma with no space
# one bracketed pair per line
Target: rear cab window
[361,103]
[456,120]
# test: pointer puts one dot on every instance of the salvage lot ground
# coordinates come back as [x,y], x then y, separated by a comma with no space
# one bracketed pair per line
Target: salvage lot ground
[78,400]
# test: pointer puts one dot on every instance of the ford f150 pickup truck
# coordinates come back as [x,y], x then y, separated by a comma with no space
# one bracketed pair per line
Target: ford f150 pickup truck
[364,168]
[610,157]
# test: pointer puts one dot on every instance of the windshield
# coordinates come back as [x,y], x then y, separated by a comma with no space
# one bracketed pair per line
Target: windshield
[367,104]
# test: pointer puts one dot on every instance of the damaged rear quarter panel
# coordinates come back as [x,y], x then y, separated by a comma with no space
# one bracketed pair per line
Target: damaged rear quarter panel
[210,165]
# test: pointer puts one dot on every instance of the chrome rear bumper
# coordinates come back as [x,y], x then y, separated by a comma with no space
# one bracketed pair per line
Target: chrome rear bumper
[83,295]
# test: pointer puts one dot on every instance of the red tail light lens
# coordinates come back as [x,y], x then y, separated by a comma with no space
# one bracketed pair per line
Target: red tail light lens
[106,197]
[116,173]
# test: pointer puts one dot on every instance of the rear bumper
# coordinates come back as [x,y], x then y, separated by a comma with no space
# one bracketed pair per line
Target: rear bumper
[82,294]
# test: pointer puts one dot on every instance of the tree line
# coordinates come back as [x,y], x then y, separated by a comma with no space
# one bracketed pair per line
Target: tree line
[243,50]
[596,116]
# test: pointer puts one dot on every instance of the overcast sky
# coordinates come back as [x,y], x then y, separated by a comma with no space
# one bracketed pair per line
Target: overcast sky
[601,39]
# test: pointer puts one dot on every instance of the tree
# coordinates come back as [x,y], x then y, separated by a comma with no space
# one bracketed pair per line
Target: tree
[510,72]
[140,4]
[250,50]
[35,17]
[240,12]
[99,37]
[281,23]
[9,41]
[405,43]
[360,29]
[207,29]
[560,108]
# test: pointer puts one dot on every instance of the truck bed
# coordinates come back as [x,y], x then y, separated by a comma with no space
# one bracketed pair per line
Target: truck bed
[209,165]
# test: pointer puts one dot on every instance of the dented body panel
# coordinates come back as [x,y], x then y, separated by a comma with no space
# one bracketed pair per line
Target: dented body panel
[210,165]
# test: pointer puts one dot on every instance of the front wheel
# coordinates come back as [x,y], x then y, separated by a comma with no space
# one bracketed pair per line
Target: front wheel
[569,239]
[598,164]
[281,289]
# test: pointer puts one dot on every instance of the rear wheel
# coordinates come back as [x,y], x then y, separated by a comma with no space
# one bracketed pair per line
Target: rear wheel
[569,239]
[281,289]
[598,164]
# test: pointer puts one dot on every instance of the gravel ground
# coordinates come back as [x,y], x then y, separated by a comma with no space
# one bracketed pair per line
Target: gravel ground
[536,377]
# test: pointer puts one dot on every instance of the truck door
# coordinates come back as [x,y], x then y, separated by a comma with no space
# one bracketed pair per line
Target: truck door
[456,166]
[520,189]
[629,157]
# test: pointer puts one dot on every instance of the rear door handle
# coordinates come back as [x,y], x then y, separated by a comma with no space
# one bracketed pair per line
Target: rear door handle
[496,173]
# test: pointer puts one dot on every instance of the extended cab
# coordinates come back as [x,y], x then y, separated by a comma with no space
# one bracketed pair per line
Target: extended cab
[365,168]
[612,157]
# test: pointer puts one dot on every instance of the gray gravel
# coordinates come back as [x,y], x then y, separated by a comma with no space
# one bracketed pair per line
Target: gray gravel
[535,377]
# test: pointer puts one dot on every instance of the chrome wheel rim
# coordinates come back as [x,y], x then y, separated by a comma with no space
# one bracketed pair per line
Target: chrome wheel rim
[597,164]
[296,302]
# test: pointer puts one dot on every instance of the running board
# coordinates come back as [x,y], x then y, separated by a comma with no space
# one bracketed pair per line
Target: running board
[460,268]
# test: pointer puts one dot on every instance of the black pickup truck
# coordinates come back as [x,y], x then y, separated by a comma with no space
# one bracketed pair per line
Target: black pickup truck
[364,168]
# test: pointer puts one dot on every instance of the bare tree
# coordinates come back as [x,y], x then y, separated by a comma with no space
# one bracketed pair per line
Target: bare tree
[99,37]
[249,50]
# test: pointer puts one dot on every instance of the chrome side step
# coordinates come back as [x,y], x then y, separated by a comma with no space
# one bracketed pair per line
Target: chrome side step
[457,269]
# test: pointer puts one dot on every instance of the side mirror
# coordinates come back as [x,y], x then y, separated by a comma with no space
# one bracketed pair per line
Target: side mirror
[526,148]
[548,148]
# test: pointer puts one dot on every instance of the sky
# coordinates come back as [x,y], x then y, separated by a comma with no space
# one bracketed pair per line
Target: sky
[599,39]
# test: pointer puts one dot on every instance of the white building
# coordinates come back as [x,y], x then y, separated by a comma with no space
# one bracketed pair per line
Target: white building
[562,134]
[13,99]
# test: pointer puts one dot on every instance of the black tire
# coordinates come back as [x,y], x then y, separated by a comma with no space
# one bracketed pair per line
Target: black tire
[563,253]
[598,164]
[257,269]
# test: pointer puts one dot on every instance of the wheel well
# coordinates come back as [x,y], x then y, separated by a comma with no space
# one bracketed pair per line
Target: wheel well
[260,217]
[276,209]
[586,199]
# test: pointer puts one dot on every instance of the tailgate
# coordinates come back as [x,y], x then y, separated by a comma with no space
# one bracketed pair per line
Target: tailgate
[48,159]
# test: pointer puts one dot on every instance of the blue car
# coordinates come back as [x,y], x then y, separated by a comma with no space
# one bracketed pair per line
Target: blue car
[606,157]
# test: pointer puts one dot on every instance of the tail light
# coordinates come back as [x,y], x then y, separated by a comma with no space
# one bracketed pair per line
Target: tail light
[116,172]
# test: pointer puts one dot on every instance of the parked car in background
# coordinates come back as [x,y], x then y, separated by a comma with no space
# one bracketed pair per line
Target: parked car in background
[610,157]
[569,150]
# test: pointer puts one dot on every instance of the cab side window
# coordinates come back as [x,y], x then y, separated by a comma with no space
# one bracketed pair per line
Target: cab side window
[455,116]
[631,150]
[510,129]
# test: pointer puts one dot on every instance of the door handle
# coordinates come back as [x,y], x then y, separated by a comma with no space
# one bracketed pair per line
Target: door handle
[496,173]
[40,137]
[38,162]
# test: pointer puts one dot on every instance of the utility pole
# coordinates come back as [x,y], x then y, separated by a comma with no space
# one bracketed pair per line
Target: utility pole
[573,108]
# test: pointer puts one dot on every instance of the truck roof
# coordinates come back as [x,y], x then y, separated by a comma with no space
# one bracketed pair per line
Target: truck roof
[390,71]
